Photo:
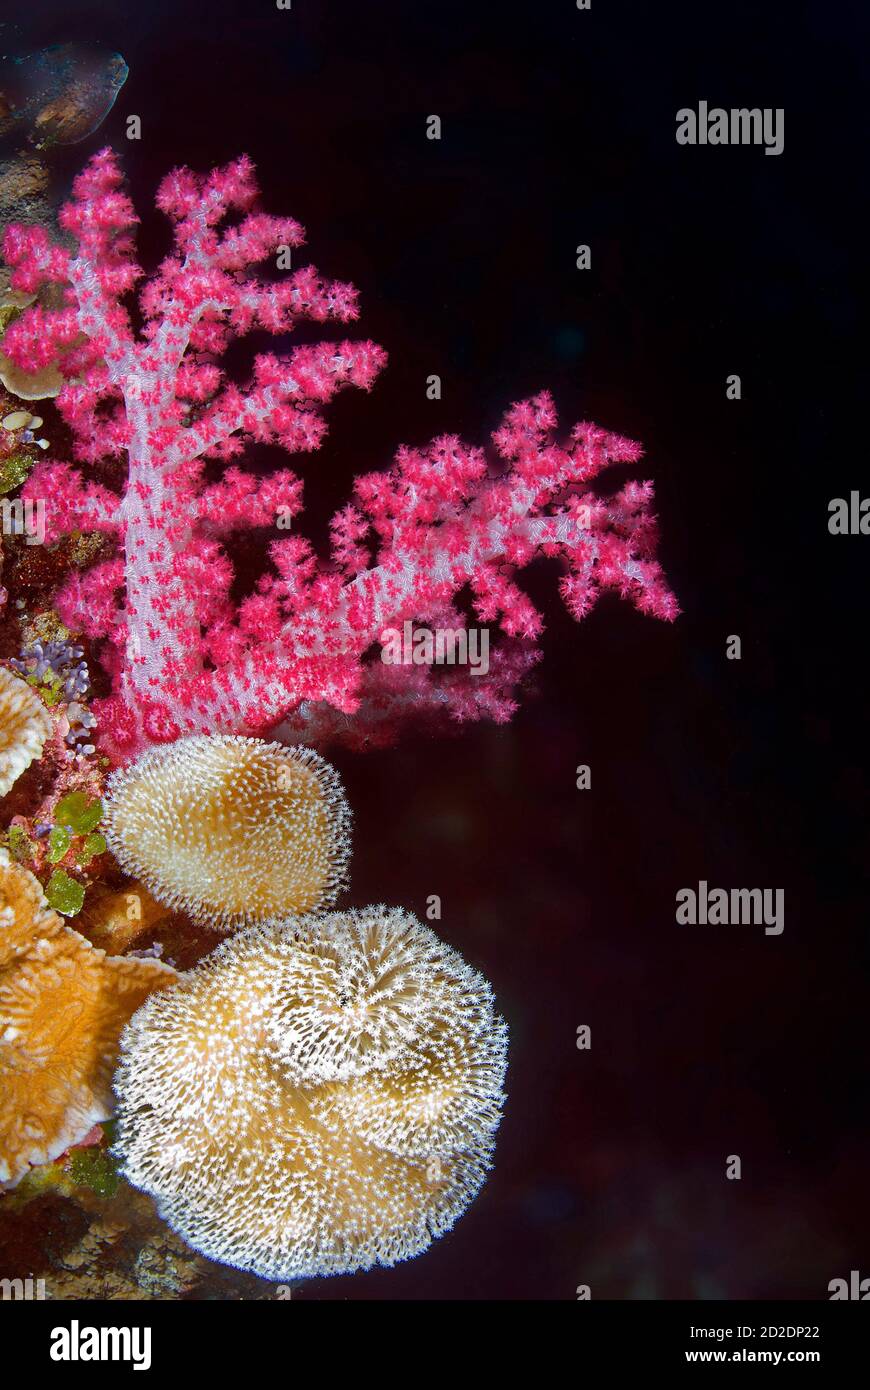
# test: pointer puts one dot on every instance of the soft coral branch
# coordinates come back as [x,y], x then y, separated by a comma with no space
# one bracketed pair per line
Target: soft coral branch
[442,521]
[161,399]
[72,503]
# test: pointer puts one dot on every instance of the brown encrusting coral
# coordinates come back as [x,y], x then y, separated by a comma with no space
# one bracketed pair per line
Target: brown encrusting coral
[25,724]
[113,919]
[315,1097]
[231,830]
[63,1003]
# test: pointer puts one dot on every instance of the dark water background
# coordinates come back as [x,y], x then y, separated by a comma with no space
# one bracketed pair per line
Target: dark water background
[558,128]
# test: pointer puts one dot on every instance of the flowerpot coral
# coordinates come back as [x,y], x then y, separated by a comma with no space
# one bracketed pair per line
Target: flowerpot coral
[316,1096]
[231,830]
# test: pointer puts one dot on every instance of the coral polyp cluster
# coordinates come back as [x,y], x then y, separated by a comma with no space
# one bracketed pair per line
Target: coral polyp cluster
[444,526]
[316,1096]
[63,1003]
[231,830]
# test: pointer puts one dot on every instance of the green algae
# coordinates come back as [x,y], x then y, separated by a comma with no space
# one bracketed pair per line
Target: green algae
[21,847]
[92,846]
[76,819]
[58,843]
[64,894]
[94,1168]
[14,471]
[50,687]
[80,815]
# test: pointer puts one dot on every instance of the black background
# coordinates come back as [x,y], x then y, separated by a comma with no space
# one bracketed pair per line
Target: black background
[558,129]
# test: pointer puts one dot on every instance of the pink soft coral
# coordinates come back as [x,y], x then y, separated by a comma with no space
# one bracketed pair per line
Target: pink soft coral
[183,656]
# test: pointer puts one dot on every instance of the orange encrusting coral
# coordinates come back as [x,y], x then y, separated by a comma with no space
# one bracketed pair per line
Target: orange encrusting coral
[63,1004]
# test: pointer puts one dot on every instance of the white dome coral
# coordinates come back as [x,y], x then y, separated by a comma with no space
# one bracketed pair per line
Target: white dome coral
[25,724]
[316,1096]
[231,830]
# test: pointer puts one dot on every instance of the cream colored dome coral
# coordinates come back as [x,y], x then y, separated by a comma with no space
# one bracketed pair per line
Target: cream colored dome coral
[231,830]
[25,724]
[316,1096]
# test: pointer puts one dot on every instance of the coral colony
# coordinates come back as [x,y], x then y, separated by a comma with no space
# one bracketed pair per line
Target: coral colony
[354,1057]
[233,830]
[63,1004]
[24,727]
[184,658]
[321,1092]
